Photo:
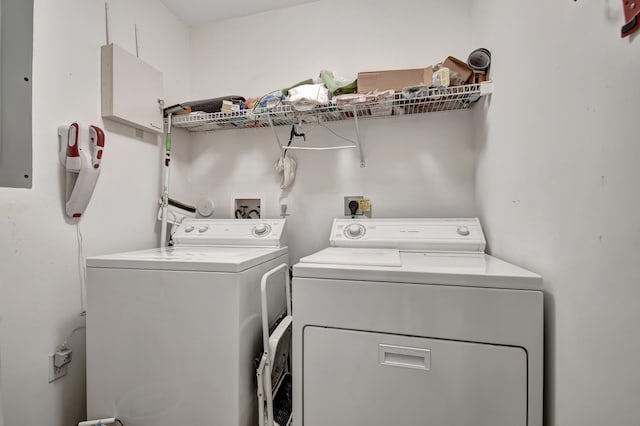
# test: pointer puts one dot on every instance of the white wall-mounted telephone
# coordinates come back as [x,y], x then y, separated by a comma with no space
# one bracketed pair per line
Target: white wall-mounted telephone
[80,152]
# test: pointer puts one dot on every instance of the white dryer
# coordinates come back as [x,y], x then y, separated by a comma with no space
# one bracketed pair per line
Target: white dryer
[408,322]
[173,333]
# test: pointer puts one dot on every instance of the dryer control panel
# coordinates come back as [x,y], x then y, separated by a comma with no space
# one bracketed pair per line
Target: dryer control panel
[437,235]
[230,232]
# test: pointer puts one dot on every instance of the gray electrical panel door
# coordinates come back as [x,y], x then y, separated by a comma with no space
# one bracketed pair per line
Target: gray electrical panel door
[361,378]
[16,53]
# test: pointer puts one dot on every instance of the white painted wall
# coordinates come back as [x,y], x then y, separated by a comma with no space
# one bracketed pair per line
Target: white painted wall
[554,182]
[416,166]
[39,279]
[557,191]
[1,415]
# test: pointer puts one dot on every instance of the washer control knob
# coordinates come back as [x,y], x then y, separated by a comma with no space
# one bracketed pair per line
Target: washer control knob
[203,229]
[355,230]
[463,230]
[261,229]
[189,229]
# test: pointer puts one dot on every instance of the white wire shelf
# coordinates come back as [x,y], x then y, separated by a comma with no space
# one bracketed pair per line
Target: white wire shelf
[435,100]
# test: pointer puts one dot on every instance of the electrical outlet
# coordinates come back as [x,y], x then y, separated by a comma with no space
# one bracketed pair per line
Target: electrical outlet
[347,209]
[363,207]
[56,372]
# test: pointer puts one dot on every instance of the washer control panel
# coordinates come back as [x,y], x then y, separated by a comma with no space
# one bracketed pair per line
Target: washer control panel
[437,235]
[230,232]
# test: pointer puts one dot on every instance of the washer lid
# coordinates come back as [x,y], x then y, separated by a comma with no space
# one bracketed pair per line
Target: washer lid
[193,258]
[356,256]
[459,269]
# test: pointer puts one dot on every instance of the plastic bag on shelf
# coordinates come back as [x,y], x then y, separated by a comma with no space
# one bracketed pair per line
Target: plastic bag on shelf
[307,96]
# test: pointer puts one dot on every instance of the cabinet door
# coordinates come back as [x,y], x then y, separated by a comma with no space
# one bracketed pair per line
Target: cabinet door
[359,378]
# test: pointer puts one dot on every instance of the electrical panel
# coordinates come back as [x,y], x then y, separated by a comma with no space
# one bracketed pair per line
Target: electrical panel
[131,90]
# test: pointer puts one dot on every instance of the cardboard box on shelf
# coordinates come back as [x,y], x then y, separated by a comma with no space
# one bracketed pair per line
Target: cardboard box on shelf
[460,67]
[394,79]
[479,77]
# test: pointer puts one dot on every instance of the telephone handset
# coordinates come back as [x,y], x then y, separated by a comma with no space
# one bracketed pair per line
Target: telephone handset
[81,156]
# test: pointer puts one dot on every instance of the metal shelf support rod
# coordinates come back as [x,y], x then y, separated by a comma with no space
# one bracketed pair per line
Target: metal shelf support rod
[357,141]
[275,134]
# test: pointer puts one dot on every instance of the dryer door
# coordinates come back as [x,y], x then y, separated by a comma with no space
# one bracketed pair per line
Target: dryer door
[360,378]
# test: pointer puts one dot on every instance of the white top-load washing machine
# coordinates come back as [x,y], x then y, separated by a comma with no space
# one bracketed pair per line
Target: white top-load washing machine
[408,322]
[173,333]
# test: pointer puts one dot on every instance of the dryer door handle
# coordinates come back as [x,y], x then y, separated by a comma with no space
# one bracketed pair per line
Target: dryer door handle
[402,356]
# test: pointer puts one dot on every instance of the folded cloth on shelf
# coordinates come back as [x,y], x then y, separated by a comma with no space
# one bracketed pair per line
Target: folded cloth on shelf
[307,96]
[285,91]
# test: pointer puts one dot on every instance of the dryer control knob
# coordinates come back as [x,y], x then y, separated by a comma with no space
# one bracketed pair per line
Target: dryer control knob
[355,230]
[463,230]
[189,229]
[203,229]
[261,229]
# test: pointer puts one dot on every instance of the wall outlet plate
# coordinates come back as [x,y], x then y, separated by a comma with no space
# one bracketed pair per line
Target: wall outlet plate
[56,372]
[364,206]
